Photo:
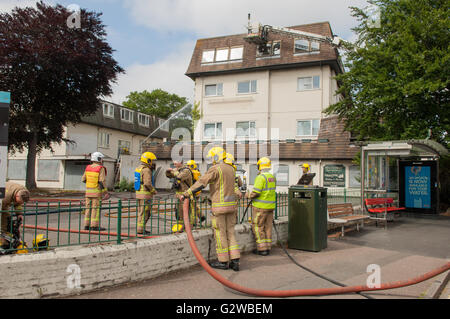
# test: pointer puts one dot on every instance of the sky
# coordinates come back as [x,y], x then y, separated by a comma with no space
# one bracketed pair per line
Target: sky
[154,39]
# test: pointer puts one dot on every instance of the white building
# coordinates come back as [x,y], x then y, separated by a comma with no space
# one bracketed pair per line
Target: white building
[248,97]
[113,130]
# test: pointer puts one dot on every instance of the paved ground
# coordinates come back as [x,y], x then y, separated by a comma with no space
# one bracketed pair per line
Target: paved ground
[407,248]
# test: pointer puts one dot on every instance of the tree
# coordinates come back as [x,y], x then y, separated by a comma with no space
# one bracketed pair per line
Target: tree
[163,105]
[55,72]
[397,84]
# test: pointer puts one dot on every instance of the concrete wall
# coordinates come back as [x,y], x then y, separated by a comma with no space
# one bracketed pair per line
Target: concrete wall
[51,274]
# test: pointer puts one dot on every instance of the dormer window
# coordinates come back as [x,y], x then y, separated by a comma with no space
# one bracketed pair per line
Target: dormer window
[126,115]
[108,110]
[221,55]
[305,46]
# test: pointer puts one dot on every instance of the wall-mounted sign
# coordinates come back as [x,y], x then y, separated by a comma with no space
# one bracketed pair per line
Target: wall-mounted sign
[334,176]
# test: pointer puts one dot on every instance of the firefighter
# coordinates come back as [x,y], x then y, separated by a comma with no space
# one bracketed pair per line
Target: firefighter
[196,175]
[263,198]
[144,190]
[305,180]
[15,196]
[220,178]
[95,178]
[237,179]
[182,180]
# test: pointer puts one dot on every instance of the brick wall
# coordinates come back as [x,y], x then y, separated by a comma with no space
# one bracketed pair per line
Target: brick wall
[52,273]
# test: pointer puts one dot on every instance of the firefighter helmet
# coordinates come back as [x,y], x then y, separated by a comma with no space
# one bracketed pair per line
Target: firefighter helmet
[40,243]
[306,166]
[192,164]
[229,159]
[216,154]
[264,162]
[148,158]
[97,157]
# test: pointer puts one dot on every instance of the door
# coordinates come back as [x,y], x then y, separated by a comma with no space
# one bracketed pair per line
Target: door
[73,173]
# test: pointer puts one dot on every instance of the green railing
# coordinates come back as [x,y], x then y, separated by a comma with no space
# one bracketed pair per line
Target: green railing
[62,221]
[344,195]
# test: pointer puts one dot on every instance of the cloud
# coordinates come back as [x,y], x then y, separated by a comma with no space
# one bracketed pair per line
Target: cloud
[213,18]
[166,74]
[8,5]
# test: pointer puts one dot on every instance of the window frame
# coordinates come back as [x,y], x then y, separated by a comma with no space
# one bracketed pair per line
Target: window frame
[131,113]
[145,116]
[250,87]
[271,53]
[311,121]
[216,137]
[309,49]
[102,137]
[216,91]
[248,130]
[312,77]
[109,107]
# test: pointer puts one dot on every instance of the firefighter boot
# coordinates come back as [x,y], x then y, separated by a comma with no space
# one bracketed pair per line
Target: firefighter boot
[219,265]
[234,264]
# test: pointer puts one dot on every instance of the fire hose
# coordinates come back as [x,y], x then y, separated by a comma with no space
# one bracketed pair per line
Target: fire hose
[297,292]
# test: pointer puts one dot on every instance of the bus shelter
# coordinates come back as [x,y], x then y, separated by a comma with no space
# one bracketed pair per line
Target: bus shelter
[407,171]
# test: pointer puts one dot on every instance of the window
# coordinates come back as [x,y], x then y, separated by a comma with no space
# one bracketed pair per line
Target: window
[108,110]
[144,120]
[282,175]
[214,89]
[103,139]
[245,129]
[223,54]
[213,131]
[48,170]
[308,128]
[354,176]
[17,169]
[308,83]
[126,115]
[305,46]
[208,56]
[164,124]
[124,147]
[247,87]
[272,48]
[236,53]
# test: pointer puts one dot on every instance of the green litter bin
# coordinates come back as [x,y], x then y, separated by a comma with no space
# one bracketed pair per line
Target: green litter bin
[307,228]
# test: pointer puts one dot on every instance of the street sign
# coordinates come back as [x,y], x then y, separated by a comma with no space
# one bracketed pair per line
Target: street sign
[5,98]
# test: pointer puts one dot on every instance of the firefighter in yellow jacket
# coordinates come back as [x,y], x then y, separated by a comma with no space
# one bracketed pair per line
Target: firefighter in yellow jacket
[220,178]
[144,190]
[95,178]
[182,180]
[263,198]
[15,196]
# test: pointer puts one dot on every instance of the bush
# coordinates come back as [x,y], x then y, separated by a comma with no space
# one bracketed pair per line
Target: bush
[125,185]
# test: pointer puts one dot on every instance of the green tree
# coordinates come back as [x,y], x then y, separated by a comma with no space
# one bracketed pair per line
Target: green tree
[163,105]
[55,72]
[397,84]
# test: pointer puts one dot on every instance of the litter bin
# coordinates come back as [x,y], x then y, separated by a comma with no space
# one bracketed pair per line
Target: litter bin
[307,228]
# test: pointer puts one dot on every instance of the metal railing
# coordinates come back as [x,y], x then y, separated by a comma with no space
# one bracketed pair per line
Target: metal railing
[62,221]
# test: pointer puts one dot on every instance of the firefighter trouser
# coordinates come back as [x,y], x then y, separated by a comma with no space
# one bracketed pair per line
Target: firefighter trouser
[92,212]
[226,245]
[5,226]
[262,228]
[144,211]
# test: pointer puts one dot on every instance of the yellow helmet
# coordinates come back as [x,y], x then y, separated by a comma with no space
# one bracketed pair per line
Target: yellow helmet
[229,159]
[177,228]
[264,162]
[217,154]
[192,164]
[148,157]
[40,243]
[306,166]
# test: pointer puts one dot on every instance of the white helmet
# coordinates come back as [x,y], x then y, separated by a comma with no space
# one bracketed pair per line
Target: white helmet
[97,157]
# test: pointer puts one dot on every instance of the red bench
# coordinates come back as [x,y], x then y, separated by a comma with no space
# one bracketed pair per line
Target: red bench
[379,208]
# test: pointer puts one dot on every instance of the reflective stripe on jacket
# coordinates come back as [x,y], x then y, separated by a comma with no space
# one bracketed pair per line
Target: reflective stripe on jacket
[265,185]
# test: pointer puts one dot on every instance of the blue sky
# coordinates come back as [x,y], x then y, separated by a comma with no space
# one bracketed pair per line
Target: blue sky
[154,39]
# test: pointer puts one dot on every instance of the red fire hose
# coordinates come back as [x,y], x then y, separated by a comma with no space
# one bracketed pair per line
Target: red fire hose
[297,292]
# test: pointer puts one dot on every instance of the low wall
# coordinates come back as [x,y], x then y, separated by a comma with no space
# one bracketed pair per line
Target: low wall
[73,270]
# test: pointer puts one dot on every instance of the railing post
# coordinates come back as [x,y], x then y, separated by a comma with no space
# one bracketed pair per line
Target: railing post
[276,205]
[119,222]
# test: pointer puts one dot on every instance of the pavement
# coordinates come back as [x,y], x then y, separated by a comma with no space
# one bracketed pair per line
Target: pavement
[409,247]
